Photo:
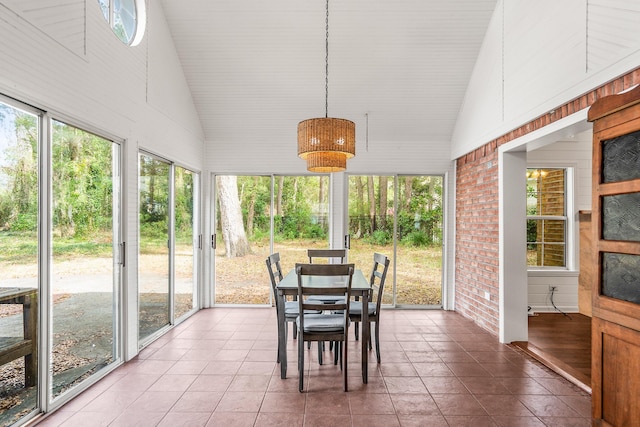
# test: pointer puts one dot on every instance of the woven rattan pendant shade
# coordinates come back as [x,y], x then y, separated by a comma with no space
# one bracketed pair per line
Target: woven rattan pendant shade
[326,143]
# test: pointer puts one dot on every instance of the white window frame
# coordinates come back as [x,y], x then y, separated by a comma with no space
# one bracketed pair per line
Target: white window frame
[107,8]
[569,217]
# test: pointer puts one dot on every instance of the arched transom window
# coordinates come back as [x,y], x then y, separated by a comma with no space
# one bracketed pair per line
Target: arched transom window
[127,19]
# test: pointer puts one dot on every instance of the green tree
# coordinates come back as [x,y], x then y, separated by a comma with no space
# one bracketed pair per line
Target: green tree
[81,180]
[19,171]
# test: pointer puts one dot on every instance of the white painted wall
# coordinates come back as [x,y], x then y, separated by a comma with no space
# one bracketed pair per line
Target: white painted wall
[377,157]
[565,297]
[134,93]
[572,152]
[512,211]
[539,55]
[66,60]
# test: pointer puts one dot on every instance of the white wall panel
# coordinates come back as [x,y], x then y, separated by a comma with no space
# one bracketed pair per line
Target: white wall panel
[544,51]
[485,94]
[63,21]
[565,296]
[105,89]
[612,31]
[281,157]
[552,52]
[167,89]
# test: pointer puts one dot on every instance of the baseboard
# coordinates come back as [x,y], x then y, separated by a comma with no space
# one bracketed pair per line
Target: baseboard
[548,309]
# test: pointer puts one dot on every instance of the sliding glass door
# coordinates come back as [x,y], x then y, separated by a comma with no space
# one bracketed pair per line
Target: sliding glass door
[169,244]
[20,292]
[253,214]
[242,239]
[84,264]
[372,224]
[60,256]
[187,240]
[401,217]
[153,258]
[419,241]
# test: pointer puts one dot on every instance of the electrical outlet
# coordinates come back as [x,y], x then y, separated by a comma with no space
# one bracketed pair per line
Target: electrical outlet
[552,288]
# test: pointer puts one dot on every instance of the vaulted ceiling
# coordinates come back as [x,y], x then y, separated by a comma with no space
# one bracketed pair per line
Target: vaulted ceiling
[399,69]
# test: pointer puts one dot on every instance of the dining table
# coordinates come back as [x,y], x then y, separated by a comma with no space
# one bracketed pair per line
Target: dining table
[360,287]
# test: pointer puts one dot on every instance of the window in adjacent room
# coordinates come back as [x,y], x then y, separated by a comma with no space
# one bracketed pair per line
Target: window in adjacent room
[547,217]
[127,19]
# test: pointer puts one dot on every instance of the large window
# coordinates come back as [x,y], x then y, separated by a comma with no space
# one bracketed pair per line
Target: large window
[19,291]
[400,216]
[59,250]
[547,217]
[257,215]
[169,244]
[153,259]
[84,278]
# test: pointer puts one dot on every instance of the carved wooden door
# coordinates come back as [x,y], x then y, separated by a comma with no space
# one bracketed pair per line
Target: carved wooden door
[616,260]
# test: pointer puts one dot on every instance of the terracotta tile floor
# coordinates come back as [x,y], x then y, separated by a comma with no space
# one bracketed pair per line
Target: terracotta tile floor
[218,369]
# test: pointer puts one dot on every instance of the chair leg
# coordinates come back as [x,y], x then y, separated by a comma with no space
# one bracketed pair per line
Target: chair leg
[377,342]
[320,345]
[300,363]
[278,353]
[343,362]
[356,330]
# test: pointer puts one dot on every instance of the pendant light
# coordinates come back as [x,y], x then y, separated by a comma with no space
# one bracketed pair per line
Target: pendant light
[326,142]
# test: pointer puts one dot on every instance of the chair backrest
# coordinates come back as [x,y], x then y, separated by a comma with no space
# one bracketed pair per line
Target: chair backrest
[275,271]
[329,254]
[327,275]
[378,277]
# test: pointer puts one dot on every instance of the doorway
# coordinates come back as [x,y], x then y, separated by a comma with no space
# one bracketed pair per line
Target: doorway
[551,184]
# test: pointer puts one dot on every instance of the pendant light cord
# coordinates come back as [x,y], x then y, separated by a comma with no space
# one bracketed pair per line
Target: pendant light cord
[326,66]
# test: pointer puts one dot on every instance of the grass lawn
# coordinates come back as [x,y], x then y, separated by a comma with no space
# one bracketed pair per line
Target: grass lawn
[245,280]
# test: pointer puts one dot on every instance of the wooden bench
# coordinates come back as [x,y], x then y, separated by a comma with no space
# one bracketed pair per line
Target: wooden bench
[11,348]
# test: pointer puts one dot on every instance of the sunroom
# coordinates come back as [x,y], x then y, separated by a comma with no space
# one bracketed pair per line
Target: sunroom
[124,123]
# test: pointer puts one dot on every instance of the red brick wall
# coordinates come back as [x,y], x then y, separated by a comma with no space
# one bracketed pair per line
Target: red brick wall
[477,238]
[476,248]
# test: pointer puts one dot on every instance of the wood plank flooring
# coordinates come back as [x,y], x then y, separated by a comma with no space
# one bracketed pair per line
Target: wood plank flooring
[563,343]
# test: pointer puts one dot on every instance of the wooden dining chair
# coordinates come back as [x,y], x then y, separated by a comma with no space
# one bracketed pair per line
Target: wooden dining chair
[324,327]
[377,280]
[328,254]
[275,274]
[290,307]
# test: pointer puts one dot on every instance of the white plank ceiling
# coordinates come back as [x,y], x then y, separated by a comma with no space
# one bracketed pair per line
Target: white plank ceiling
[257,68]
